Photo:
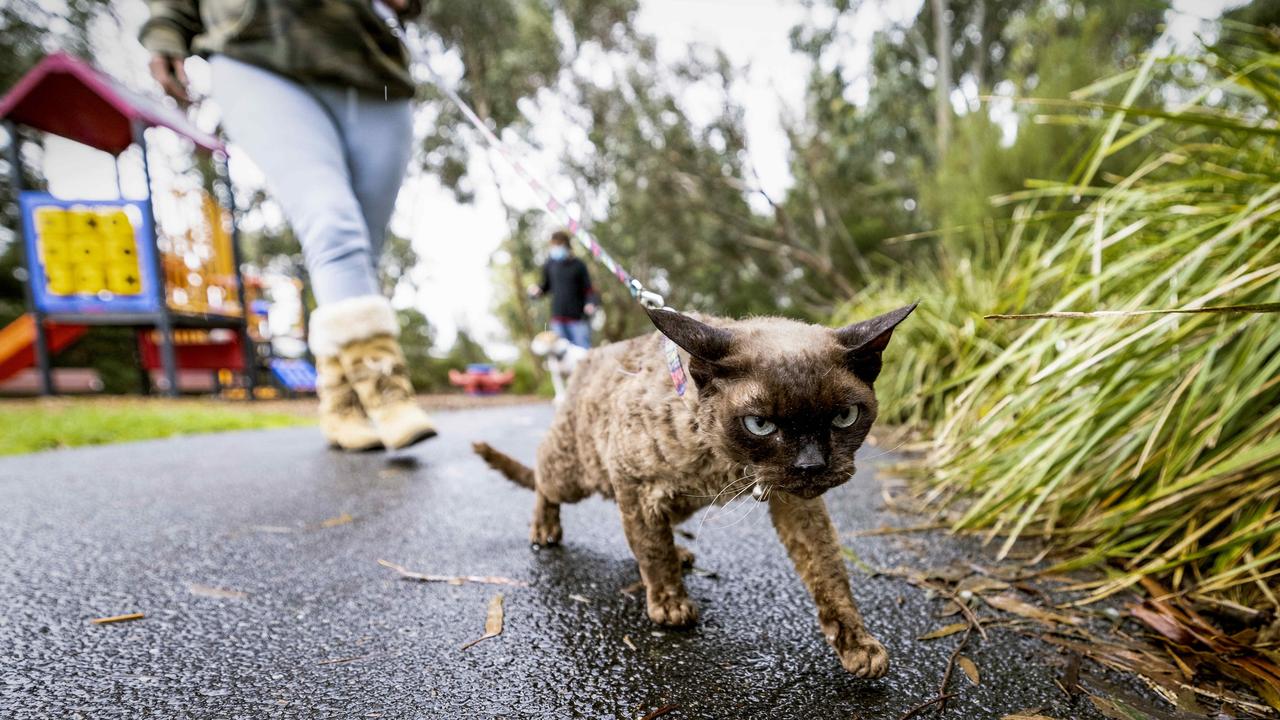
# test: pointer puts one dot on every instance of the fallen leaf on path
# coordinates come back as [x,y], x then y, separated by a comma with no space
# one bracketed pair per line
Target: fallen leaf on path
[1160,617]
[951,608]
[978,584]
[492,621]
[117,619]
[1011,604]
[342,519]
[408,574]
[1070,681]
[1154,669]
[944,631]
[1116,710]
[970,669]
[1193,641]
[210,591]
[275,529]
[579,598]
[626,640]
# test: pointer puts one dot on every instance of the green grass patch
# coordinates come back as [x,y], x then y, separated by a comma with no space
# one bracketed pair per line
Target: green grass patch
[31,426]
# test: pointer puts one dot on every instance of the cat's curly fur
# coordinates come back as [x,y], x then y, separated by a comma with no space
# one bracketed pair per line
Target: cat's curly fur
[624,434]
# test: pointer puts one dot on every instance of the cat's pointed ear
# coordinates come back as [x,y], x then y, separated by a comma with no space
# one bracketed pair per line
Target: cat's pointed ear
[866,340]
[702,341]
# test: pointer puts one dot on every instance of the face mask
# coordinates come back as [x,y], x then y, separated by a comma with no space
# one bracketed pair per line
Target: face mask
[559,252]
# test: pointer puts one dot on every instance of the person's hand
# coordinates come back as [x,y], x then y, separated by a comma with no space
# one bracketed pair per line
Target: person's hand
[589,308]
[534,291]
[169,71]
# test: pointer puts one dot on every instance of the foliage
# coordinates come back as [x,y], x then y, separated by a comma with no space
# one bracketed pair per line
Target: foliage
[45,425]
[1142,445]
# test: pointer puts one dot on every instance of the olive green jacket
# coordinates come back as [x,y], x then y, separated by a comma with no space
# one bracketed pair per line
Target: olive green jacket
[331,42]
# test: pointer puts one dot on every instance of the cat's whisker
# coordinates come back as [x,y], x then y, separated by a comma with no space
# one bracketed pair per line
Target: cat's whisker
[750,507]
[727,488]
[714,507]
[732,483]
[884,452]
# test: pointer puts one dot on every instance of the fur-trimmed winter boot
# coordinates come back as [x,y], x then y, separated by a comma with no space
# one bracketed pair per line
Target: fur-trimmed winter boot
[361,334]
[342,418]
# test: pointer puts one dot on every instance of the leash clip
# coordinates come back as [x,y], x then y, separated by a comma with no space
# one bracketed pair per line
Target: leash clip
[648,299]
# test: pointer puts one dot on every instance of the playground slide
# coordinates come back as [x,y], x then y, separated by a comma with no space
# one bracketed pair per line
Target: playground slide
[18,343]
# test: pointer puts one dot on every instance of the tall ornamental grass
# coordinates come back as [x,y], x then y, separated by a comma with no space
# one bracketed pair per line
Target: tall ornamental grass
[1144,444]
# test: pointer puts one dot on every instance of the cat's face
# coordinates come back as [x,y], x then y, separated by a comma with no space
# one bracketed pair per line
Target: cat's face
[791,401]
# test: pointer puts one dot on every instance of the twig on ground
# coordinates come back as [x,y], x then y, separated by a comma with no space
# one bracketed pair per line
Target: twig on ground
[659,712]
[951,666]
[924,706]
[117,619]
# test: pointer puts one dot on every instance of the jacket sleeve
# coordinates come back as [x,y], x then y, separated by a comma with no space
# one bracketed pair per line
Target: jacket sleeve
[545,286]
[588,290]
[171,27]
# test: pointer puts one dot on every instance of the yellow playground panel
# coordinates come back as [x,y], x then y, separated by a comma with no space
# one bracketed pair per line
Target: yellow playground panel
[88,251]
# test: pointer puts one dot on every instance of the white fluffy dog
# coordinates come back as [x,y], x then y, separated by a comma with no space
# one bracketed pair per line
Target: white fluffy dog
[561,356]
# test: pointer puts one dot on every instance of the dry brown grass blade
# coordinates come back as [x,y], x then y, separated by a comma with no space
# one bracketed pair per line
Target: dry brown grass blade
[945,631]
[117,619]
[1073,315]
[408,574]
[493,621]
[342,519]
[1011,604]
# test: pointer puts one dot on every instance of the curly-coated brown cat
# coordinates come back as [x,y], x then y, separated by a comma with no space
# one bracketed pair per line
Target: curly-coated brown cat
[776,404]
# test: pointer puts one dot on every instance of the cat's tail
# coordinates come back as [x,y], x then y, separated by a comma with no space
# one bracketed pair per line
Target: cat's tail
[518,472]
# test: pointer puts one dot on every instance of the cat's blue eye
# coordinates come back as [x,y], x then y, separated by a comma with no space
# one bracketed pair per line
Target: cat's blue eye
[757,425]
[846,418]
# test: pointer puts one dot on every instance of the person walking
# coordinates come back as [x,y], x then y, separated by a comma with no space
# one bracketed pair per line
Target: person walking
[318,94]
[573,299]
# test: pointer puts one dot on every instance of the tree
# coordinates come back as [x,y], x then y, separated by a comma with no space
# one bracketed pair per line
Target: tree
[898,164]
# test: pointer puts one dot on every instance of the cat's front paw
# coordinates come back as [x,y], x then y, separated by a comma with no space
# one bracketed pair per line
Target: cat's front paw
[686,557]
[672,609]
[862,655]
[545,532]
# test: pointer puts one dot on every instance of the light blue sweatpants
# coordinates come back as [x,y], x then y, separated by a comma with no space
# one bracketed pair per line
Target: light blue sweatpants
[333,159]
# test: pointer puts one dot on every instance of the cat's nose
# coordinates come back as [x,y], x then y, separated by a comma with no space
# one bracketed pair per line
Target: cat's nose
[810,459]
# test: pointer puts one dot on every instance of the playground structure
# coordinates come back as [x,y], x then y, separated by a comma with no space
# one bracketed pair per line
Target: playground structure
[109,262]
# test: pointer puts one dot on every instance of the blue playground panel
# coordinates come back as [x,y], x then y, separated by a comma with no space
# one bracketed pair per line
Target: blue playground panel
[146,297]
[296,375]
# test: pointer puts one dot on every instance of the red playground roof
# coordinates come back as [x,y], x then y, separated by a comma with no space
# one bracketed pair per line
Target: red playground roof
[66,97]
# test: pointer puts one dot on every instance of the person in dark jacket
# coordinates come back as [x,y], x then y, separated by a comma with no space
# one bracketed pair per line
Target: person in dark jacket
[573,299]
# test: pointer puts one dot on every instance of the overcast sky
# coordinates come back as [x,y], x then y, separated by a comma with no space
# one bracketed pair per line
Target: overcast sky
[456,242]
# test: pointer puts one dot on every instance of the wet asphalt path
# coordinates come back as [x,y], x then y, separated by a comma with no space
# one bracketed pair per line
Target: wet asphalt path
[316,628]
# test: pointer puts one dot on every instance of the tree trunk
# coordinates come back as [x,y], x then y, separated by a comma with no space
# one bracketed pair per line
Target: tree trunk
[982,50]
[942,53]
